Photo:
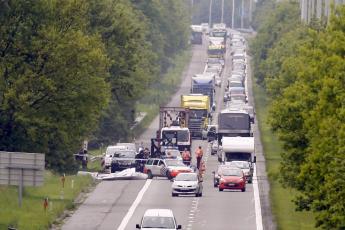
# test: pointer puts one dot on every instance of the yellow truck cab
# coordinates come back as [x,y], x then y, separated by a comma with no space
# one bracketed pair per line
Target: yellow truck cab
[200,108]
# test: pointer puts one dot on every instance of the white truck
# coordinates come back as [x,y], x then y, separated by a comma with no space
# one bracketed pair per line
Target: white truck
[237,149]
[239,152]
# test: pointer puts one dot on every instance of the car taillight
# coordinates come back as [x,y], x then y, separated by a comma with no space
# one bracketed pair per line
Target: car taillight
[145,170]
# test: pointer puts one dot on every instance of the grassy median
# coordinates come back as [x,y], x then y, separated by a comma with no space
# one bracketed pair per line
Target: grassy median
[281,198]
[32,215]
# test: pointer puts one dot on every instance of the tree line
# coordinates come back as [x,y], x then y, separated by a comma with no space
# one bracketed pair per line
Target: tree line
[71,70]
[302,68]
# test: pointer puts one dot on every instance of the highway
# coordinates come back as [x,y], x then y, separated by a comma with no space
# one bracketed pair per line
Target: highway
[121,204]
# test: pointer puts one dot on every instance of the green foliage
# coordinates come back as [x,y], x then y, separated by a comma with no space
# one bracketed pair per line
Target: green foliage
[73,70]
[50,71]
[303,70]
[283,17]
[32,216]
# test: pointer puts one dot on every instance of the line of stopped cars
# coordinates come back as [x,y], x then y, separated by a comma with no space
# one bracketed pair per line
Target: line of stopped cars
[231,138]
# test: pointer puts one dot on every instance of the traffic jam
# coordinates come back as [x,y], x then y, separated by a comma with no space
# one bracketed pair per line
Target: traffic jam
[227,130]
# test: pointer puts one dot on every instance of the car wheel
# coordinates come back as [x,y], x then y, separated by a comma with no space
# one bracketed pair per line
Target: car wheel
[215,185]
[149,174]
[168,175]
[196,194]
[200,194]
[173,194]
[243,190]
[219,159]
[250,181]
[220,189]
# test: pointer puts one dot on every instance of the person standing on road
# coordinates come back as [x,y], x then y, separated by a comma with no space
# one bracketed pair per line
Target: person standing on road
[198,153]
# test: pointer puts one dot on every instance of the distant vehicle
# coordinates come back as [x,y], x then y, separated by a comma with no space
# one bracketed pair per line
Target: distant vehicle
[237,149]
[245,166]
[172,153]
[200,109]
[123,159]
[208,132]
[204,84]
[158,219]
[108,155]
[236,84]
[217,174]
[205,28]
[197,33]
[214,147]
[215,61]
[233,123]
[186,184]
[232,178]
[169,168]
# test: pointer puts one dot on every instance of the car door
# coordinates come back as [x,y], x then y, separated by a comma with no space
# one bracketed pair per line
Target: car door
[155,167]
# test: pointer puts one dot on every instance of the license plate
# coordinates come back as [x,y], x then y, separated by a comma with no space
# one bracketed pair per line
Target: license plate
[231,184]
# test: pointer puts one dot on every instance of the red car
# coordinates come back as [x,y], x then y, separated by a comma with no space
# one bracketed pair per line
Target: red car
[232,178]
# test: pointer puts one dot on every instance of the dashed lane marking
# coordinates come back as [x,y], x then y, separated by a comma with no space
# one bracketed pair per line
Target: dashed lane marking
[136,202]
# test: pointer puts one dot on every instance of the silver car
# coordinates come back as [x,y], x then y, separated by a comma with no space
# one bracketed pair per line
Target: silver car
[187,184]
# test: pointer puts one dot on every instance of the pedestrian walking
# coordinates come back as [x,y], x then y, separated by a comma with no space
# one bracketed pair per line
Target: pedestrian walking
[198,153]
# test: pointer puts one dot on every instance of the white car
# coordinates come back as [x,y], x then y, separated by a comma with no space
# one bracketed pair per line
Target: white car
[214,147]
[186,184]
[158,219]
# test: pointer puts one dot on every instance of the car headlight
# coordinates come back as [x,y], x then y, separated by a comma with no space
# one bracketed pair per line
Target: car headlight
[222,180]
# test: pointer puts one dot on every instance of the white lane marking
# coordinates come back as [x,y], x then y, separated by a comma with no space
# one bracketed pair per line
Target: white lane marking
[131,210]
[258,216]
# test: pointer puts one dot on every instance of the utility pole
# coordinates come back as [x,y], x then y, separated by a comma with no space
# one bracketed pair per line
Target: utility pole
[233,15]
[210,14]
[242,14]
[222,18]
[191,10]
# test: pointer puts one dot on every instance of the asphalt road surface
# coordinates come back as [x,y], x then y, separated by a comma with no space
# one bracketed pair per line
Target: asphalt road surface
[121,204]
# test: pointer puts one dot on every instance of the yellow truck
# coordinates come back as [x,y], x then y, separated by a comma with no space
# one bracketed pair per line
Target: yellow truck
[199,112]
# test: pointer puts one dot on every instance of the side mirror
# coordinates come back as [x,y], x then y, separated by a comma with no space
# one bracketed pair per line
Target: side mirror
[179,226]
[137,226]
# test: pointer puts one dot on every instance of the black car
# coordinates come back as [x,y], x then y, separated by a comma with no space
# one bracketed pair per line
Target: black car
[123,159]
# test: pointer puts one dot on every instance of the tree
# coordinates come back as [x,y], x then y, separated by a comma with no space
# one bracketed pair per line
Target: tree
[50,74]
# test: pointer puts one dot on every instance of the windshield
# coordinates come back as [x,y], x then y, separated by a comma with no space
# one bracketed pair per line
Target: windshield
[236,84]
[213,61]
[182,135]
[234,121]
[219,34]
[174,163]
[215,51]
[231,172]
[240,164]
[186,177]
[198,113]
[158,222]
[234,156]
[124,154]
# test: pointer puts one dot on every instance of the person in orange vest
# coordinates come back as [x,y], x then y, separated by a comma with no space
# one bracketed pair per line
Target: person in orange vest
[198,153]
[202,167]
[186,157]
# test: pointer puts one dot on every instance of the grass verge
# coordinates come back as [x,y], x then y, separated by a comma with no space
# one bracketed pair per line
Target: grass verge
[32,216]
[281,198]
[161,92]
